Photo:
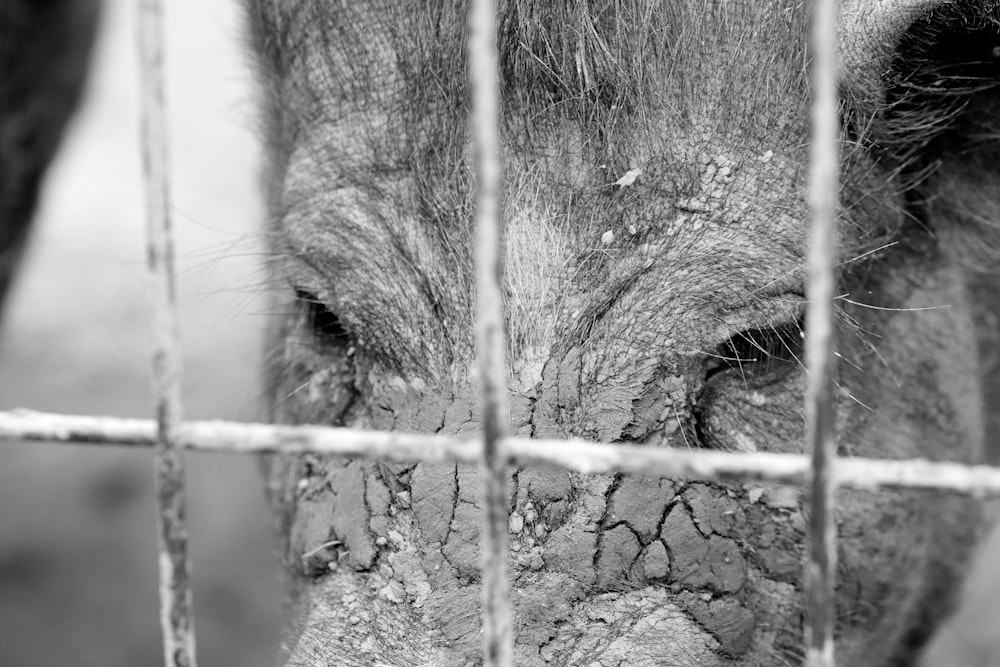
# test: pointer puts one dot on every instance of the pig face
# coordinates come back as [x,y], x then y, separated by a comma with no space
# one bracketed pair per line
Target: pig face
[654,159]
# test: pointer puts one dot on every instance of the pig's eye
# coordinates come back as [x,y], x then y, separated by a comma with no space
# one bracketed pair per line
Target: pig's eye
[760,356]
[324,324]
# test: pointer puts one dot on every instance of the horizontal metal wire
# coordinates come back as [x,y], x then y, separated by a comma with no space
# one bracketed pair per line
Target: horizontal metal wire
[573,454]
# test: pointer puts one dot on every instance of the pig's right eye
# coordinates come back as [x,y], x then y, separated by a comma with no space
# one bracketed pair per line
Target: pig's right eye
[324,324]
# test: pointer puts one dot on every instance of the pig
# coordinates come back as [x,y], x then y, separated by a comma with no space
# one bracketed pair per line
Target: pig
[654,161]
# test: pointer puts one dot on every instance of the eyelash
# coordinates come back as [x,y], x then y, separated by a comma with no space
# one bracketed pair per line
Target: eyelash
[322,322]
[759,352]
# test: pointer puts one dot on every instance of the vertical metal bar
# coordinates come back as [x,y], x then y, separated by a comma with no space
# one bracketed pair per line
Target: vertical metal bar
[485,125]
[176,618]
[824,163]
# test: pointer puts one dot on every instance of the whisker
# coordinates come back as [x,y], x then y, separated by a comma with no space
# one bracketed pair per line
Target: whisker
[894,310]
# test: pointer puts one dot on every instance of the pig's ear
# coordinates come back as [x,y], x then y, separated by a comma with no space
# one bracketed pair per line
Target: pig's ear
[940,123]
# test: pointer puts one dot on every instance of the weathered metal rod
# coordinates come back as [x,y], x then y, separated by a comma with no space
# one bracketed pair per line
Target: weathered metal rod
[824,165]
[485,130]
[176,616]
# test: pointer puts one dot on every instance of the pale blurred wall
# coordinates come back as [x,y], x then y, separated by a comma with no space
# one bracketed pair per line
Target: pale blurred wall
[77,545]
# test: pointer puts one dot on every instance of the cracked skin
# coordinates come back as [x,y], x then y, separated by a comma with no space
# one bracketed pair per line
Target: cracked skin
[681,328]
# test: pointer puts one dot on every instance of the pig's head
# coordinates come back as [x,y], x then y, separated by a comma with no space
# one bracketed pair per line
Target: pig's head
[654,159]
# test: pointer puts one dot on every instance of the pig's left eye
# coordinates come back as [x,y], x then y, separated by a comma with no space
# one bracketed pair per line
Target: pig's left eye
[760,356]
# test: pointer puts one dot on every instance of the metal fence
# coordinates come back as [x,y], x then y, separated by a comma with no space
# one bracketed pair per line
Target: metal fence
[822,472]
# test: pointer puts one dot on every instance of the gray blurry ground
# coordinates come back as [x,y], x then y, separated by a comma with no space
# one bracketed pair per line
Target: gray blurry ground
[77,550]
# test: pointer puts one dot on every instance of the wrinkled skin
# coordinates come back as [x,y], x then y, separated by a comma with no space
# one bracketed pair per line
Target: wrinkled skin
[682,327]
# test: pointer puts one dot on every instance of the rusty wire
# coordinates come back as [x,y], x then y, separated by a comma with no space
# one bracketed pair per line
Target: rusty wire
[485,133]
[824,164]
[572,454]
[176,617]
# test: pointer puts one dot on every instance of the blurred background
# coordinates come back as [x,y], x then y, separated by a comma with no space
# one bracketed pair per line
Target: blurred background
[78,582]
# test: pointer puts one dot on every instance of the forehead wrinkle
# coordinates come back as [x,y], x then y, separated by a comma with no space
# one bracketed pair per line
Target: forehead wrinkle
[592,60]
[602,62]
[385,274]
[399,102]
[405,119]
